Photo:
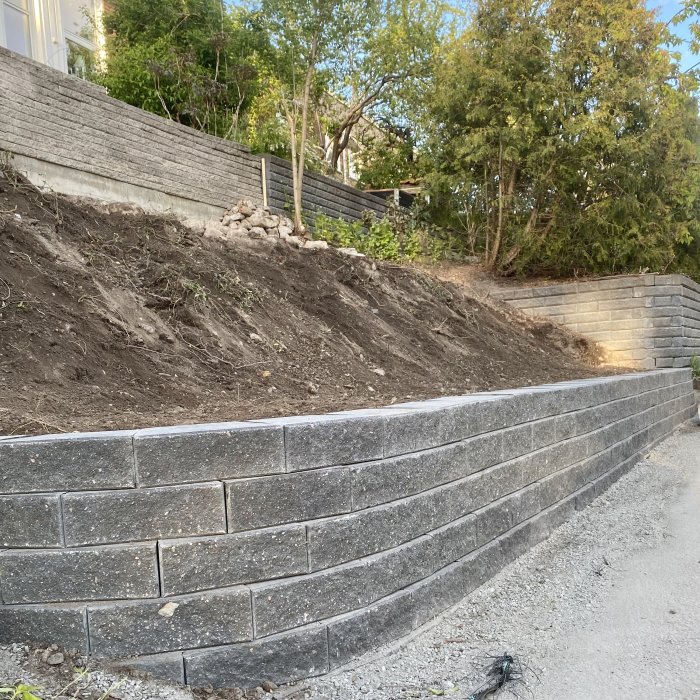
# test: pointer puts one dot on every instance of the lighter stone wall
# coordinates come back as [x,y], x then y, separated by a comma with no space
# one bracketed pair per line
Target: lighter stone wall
[645,321]
[229,554]
[61,121]
[69,136]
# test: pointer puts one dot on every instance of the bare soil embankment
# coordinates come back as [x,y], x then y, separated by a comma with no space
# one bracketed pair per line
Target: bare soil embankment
[115,319]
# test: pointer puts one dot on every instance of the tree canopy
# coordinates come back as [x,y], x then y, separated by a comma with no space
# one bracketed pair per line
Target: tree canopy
[565,138]
[552,136]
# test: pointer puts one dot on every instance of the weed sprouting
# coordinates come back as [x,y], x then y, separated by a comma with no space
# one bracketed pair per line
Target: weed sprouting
[695,366]
[245,295]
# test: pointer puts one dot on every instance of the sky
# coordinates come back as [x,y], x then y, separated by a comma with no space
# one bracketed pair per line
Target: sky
[667,9]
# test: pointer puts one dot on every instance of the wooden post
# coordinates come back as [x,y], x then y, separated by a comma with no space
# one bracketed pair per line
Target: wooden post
[263,172]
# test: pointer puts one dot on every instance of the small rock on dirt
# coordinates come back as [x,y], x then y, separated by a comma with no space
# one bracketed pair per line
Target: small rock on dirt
[316,245]
[55,659]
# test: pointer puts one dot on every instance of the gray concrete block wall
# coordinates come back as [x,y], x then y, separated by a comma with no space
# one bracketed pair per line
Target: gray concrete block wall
[320,194]
[69,135]
[645,321]
[229,554]
[56,118]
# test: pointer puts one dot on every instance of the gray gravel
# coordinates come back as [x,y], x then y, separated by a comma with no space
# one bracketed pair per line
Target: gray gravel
[603,609]
[560,607]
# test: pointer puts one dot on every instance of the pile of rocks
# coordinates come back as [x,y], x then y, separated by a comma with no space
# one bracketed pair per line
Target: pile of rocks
[256,221]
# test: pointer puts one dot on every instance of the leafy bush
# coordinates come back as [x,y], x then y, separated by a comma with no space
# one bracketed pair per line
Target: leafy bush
[401,235]
[20,691]
[695,366]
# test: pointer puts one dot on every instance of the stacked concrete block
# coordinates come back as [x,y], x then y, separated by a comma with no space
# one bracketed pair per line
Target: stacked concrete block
[320,194]
[230,554]
[68,133]
[645,321]
[56,118]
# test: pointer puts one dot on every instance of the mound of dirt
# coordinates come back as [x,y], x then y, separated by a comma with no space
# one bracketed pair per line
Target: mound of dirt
[115,319]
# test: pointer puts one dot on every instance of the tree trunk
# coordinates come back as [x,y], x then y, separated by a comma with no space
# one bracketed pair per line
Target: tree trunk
[299,153]
[296,186]
[498,233]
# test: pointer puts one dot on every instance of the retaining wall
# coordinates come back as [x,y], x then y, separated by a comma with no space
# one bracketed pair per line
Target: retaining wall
[643,321]
[320,194]
[279,549]
[58,119]
[69,135]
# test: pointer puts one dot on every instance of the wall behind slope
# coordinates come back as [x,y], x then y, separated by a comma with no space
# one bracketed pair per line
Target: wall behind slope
[280,549]
[643,321]
[68,135]
[59,120]
[321,193]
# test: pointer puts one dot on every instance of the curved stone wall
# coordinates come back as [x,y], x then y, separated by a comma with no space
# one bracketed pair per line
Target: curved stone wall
[228,554]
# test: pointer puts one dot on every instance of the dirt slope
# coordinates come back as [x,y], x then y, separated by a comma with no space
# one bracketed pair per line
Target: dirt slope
[119,320]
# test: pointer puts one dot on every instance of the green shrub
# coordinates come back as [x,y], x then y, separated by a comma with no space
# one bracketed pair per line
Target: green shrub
[20,691]
[695,366]
[401,235]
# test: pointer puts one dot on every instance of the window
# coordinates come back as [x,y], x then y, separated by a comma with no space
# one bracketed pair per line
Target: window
[81,60]
[78,18]
[17,27]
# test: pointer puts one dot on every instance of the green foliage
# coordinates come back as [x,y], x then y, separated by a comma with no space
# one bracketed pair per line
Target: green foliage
[401,235]
[20,691]
[382,61]
[563,139]
[387,160]
[194,61]
[695,366]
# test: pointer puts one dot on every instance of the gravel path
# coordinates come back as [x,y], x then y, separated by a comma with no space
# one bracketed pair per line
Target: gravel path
[605,609]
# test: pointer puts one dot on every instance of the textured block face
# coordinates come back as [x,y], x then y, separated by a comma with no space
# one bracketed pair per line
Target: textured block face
[517,441]
[65,627]
[391,479]
[207,453]
[30,521]
[390,619]
[493,521]
[141,627]
[169,667]
[453,541]
[287,604]
[67,463]
[523,537]
[216,562]
[288,498]
[353,536]
[449,585]
[421,426]
[349,638]
[324,441]
[441,591]
[144,514]
[99,573]
[398,568]
[281,660]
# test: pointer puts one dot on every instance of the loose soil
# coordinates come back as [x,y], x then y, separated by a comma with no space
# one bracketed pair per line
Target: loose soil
[110,318]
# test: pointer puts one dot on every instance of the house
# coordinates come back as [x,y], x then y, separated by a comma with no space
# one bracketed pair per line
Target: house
[63,34]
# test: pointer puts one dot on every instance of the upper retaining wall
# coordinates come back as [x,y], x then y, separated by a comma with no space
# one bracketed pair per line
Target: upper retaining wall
[320,194]
[58,119]
[69,135]
[279,549]
[644,321]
